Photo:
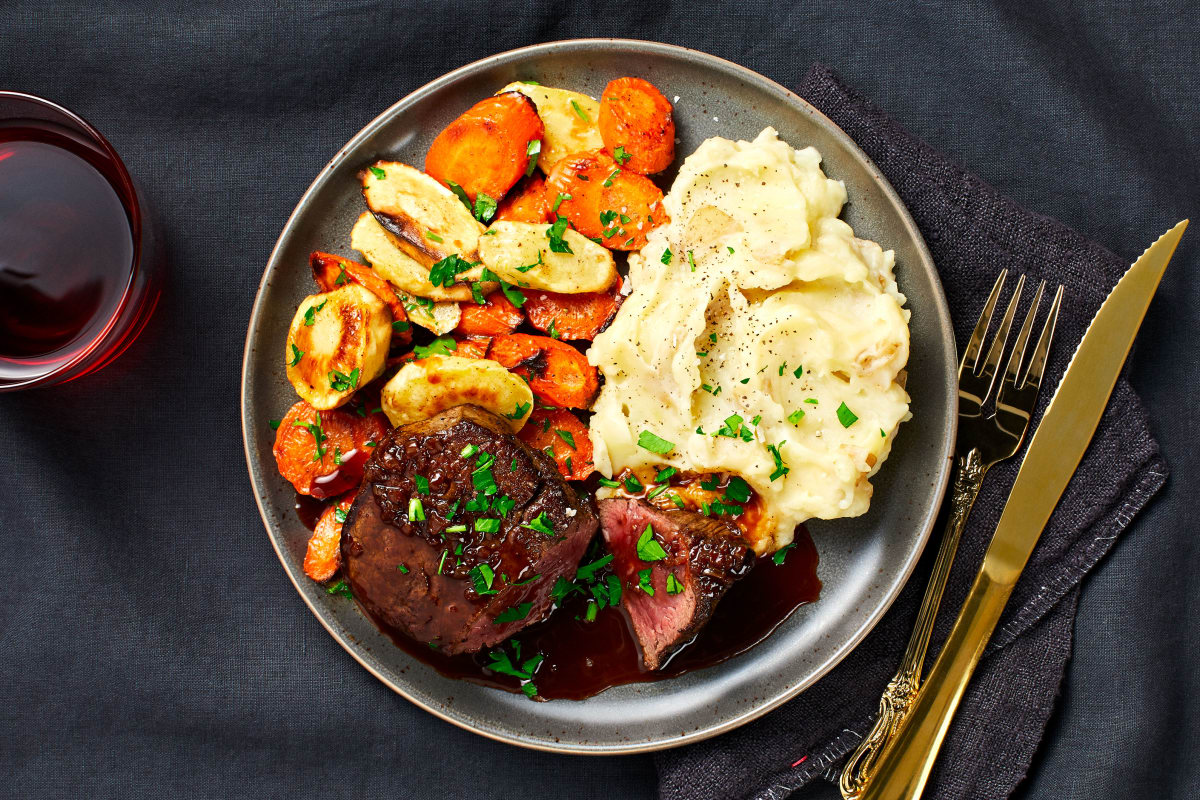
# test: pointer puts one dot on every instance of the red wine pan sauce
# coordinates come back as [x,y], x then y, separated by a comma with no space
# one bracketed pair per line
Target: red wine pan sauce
[582,658]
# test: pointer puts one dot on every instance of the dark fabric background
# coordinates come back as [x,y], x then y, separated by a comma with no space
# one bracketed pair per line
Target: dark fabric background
[150,645]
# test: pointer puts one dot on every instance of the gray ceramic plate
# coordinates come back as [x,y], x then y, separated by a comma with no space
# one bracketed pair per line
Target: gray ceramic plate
[864,561]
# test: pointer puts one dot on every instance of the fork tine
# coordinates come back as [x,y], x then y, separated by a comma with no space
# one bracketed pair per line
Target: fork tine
[1018,351]
[988,370]
[971,354]
[1037,362]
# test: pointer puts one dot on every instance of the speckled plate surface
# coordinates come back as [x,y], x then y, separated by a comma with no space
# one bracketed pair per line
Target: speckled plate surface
[864,561]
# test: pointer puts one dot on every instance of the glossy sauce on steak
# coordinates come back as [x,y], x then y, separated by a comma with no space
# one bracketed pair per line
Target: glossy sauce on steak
[460,531]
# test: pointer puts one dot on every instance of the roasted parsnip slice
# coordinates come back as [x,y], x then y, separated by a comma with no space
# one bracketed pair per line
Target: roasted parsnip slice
[441,318]
[570,120]
[425,219]
[426,387]
[522,253]
[337,343]
[401,270]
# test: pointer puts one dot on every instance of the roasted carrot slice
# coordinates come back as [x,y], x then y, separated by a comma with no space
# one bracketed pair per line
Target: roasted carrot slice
[464,346]
[603,201]
[495,317]
[572,316]
[322,453]
[558,374]
[487,148]
[528,202]
[637,126]
[324,554]
[330,272]
[561,435]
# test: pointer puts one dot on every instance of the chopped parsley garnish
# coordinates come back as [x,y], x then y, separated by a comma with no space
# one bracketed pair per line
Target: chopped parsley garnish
[442,562]
[469,451]
[781,468]
[673,584]
[511,292]
[527,580]
[632,484]
[340,382]
[701,354]
[523,670]
[620,156]
[592,611]
[782,367]
[503,504]
[337,456]
[731,428]
[514,613]
[665,474]
[730,249]
[737,490]
[655,444]
[342,588]
[648,548]
[744,381]
[692,260]
[644,581]
[297,354]
[798,371]
[677,500]
[558,201]
[666,256]
[487,525]
[482,478]
[533,150]
[567,437]
[781,554]
[555,234]
[339,514]
[811,400]
[442,273]
[611,177]
[342,277]
[442,346]
[485,207]
[401,325]
[416,511]
[275,423]
[796,416]
[846,416]
[318,435]
[882,434]
[609,482]
[541,523]
[554,334]
[433,237]
[520,410]
[456,529]
[656,491]
[310,315]
[422,484]
[579,112]
[403,569]
[378,173]
[461,193]
[482,576]
[588,571]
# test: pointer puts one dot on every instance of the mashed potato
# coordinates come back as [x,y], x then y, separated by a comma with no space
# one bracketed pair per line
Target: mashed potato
[761,338]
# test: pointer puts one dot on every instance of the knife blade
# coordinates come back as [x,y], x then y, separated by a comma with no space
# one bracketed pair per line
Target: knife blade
[1054,453]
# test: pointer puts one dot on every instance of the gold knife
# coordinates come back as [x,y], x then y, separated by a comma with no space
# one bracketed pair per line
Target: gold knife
[1054,453]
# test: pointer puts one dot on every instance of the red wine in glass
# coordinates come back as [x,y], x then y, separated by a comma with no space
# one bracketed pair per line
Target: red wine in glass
[75,287]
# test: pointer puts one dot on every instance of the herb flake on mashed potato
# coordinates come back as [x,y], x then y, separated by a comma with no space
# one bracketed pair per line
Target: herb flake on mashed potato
[761,338]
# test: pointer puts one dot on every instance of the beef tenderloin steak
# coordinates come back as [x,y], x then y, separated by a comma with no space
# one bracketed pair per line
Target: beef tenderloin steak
[691,561]
[460,531]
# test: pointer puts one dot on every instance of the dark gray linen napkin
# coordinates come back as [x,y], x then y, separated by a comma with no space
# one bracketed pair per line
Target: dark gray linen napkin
[973,233]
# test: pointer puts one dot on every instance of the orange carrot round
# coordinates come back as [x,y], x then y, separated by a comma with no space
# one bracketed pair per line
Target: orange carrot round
[604,201]
[322,453]
[637,126]
[572,316]
[324,554]
[558,374]
[563,437]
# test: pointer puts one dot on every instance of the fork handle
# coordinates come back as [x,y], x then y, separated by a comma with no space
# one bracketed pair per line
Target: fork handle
[897,699]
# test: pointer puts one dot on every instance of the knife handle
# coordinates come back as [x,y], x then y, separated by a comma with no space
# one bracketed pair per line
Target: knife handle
[904,766]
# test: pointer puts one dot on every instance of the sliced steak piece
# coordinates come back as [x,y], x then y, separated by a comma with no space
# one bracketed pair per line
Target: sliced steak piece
[696,559]
[448,550]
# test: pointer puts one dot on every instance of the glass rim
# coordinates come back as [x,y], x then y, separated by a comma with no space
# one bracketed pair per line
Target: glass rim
[132,201]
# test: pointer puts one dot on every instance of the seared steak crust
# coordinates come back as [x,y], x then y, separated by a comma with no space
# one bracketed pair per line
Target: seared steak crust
[445,579]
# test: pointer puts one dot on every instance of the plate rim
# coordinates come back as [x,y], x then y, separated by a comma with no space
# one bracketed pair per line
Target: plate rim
[941,307]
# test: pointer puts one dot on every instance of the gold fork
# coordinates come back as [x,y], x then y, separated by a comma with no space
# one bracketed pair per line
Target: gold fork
[982,442]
